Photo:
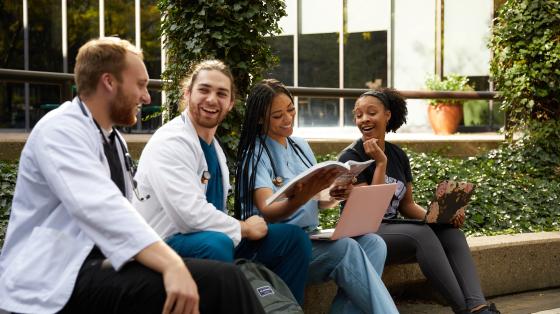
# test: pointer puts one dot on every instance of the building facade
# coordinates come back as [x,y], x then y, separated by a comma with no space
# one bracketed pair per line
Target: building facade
[324,43]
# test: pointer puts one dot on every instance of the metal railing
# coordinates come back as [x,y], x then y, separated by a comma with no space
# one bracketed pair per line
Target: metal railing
[65,80]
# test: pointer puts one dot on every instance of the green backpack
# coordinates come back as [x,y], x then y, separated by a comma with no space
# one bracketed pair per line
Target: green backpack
[272,292]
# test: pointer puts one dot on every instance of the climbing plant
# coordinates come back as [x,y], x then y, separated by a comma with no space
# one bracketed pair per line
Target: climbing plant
[232,31]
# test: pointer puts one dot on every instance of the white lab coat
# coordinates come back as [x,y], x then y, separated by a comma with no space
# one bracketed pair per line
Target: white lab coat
[170,171]
[64,203]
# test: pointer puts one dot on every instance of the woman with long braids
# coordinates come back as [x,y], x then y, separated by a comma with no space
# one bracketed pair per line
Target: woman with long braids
[267,158]
[441,250]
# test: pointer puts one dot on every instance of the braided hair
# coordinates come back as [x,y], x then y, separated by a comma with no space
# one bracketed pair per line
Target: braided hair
[254,129]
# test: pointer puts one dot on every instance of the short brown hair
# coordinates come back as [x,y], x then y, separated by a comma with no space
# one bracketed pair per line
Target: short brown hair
[98,56]
[206,65]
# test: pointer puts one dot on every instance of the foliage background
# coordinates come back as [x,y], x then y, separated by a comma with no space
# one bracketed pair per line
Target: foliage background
[232,31]
[517,187]
[526,63]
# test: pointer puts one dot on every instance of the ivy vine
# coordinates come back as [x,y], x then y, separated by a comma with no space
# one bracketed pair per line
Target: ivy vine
[232,31]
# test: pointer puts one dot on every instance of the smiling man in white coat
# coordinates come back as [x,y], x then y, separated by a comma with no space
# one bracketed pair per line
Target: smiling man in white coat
[74,242]
[184,170]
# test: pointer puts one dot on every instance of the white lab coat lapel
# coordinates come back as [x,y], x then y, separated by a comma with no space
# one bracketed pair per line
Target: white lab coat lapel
[203,166]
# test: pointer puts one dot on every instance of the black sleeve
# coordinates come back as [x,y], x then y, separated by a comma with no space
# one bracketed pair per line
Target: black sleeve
[366,175]
[407,170]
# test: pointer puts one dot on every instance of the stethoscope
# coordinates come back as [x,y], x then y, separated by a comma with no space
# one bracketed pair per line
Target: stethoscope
[128,162]
[279,180]
[206,175]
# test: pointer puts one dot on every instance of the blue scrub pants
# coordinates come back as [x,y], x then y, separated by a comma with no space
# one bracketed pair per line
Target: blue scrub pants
[355,265]
[286,250]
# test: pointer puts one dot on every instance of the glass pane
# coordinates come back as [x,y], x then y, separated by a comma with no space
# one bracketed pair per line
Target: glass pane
[119,19]
[42,99]
[45,36]
[83,25]
[11,35]
[283,48]
[467,28]
[365,60]
[150,37]
[12,106]
[348,107]
[151,45]
[318,60]
[320,16]
[318,112]
[367,15]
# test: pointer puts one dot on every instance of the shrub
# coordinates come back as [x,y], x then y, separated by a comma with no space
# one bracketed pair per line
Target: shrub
[517,187]
[8,174]
[526,62]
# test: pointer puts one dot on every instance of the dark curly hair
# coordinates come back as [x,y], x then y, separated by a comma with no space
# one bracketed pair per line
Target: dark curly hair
[392,101]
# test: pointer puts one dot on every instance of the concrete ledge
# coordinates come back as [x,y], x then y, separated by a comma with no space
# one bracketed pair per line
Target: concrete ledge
[505,264]
[457,145]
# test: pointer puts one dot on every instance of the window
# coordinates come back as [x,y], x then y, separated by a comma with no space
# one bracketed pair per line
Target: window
[12,108]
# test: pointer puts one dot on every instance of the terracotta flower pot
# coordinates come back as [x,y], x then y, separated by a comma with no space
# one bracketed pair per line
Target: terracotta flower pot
[445,118]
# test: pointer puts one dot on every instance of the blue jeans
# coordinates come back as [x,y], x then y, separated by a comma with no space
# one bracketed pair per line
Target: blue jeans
[356,265]
[286,250]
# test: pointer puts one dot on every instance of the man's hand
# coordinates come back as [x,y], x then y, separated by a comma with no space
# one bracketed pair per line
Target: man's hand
[181,290]
[253,228]
[182,293]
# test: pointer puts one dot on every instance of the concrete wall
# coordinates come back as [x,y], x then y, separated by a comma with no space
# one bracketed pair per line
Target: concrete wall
[505,264]
[11,144]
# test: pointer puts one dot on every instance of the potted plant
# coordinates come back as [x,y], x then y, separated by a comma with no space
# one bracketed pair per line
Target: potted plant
[446,114]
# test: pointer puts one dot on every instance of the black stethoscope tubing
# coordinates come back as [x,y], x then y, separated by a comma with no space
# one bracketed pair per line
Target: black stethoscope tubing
[128,162]
[277,179]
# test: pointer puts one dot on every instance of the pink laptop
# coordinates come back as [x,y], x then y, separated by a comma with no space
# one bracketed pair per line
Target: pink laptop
[362,213]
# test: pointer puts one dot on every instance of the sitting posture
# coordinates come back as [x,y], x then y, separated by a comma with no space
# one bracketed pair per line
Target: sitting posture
[440,249]
[267,158]
[183,169]
[74,243]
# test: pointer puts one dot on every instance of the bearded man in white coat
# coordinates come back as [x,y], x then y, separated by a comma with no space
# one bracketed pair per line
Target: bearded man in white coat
[74,242]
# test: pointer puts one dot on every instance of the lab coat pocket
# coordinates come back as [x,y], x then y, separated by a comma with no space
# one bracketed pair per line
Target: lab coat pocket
[43,263]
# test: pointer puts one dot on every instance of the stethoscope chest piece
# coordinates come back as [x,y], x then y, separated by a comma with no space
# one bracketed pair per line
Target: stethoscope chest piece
[278,181]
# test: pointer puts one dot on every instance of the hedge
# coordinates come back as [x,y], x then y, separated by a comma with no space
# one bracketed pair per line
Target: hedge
[517,187]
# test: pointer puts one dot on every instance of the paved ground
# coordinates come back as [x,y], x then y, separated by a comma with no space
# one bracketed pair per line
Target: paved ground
[541,302]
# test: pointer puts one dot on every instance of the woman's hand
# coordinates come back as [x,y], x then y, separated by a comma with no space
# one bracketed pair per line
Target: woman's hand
[374,151]
[459,219]
[341,192]
[320,181]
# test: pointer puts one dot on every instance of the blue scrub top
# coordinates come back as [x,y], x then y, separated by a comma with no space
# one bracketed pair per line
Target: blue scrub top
[288,165]
[214,188]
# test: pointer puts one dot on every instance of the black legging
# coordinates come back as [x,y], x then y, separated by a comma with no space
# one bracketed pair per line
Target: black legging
[443,255]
